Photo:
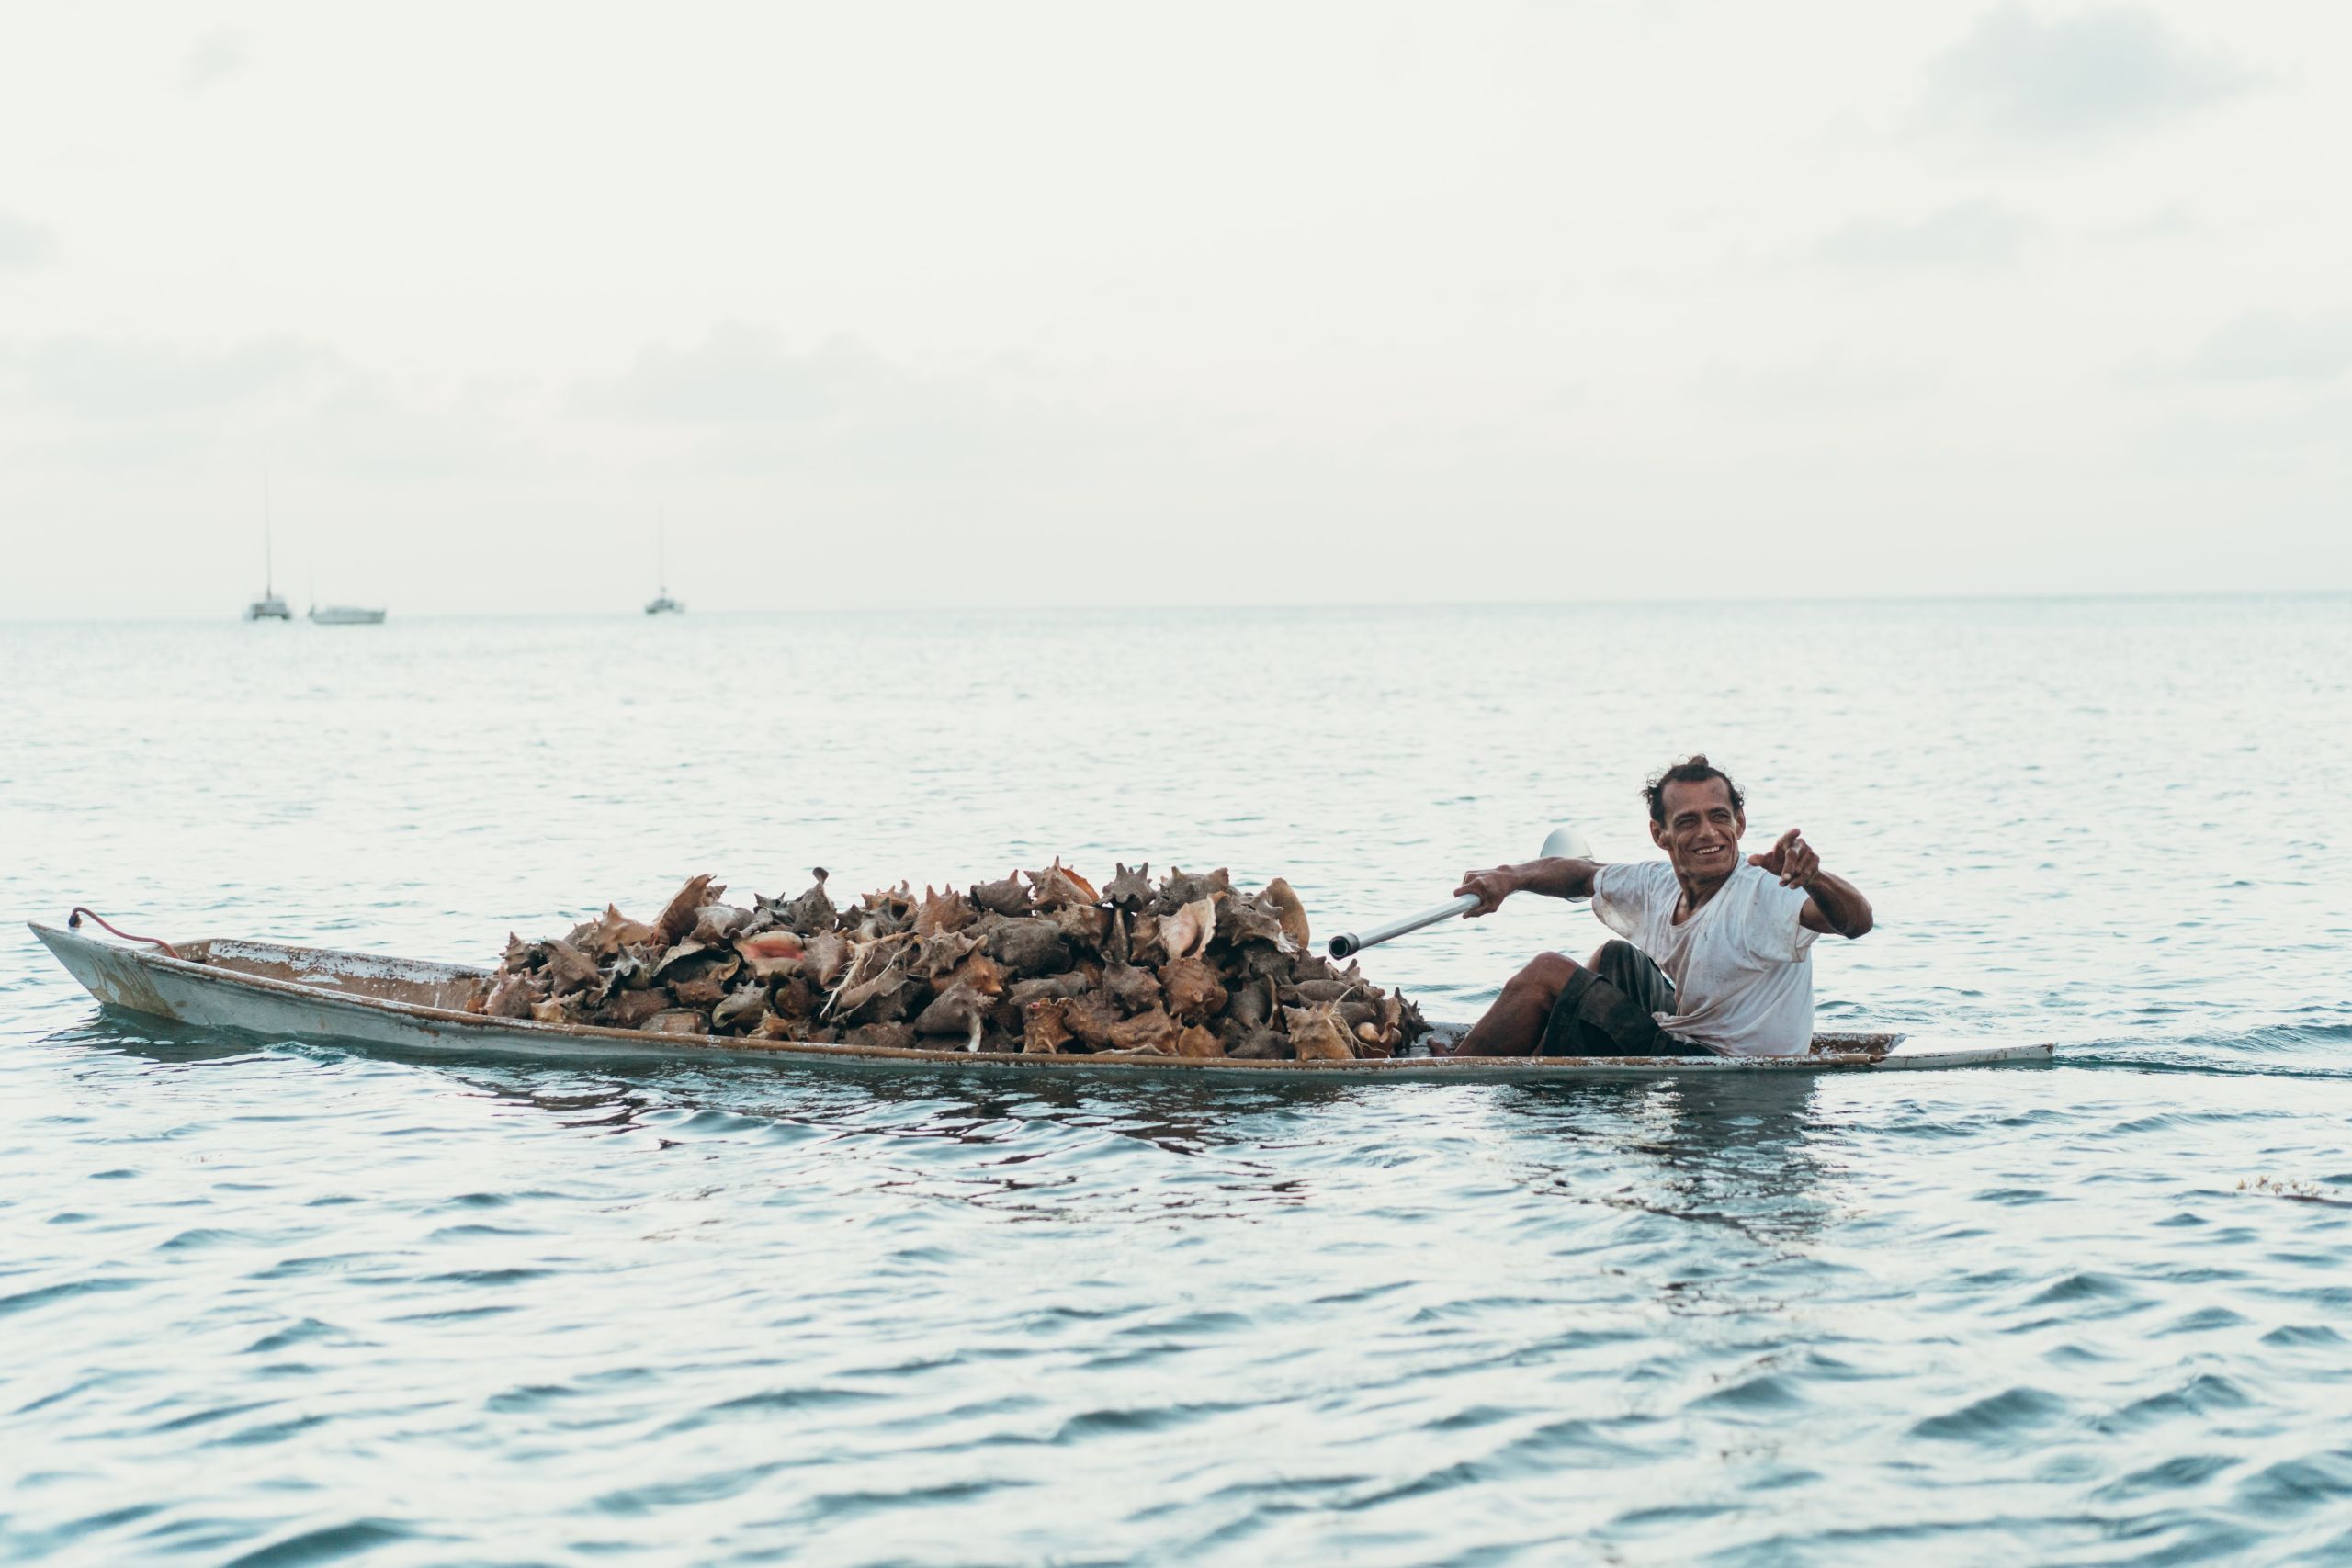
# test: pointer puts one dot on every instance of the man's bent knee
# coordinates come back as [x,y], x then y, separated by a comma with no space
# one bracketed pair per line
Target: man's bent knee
[1546,971]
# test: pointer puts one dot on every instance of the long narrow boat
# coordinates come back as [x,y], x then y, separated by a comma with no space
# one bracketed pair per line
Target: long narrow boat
[311,993]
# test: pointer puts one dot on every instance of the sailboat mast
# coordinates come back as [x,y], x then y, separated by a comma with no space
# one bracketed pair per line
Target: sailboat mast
[269,551]
[661,551]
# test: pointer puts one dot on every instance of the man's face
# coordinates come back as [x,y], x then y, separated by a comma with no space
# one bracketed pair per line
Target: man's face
[1702,832]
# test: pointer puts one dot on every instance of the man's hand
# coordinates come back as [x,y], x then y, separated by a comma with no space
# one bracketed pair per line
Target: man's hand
[1492,888]
[1833,904]
[1791,859]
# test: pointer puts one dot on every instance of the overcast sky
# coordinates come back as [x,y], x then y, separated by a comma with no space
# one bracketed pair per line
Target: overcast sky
[1016,303]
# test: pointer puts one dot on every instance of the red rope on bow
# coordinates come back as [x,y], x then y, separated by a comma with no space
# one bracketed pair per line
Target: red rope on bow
[73,923]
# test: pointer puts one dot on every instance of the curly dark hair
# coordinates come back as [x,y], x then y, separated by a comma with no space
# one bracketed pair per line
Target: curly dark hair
[1693,769]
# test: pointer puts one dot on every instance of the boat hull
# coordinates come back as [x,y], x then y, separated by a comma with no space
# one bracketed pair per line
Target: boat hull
[412,1006]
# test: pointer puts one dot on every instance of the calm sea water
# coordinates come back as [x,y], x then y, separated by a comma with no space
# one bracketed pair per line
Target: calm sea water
[284,1303]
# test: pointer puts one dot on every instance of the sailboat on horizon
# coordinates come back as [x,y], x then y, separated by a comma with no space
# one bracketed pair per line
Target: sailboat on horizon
[271,605]
[661,604]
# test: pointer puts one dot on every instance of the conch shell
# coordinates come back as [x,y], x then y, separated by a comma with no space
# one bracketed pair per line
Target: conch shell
[1316,1034]
[1185,932]
[948,911]
[568,969]
[1291,913]
[1129,889]
[1059,885]
[678,918]
[1153,1030]
[1006,897]
[1198,1042]
[772,953]
[1192,991]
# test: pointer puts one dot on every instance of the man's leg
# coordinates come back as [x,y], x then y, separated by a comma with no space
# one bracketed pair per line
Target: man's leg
[1634,972]
[1606,1010]
[1514,1025]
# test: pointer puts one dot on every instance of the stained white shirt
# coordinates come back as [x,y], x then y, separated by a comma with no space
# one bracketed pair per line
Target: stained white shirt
[1741,964]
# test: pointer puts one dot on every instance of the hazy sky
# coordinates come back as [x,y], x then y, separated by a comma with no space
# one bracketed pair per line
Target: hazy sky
[1017,304]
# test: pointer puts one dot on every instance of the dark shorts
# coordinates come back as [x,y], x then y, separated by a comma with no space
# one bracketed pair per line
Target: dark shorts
[1607,1012]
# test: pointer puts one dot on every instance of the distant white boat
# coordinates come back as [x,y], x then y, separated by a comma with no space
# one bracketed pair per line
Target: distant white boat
[661,604]
[345,616]
[271,605]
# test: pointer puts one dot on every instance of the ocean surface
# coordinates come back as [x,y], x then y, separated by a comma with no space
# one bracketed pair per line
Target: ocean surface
[279,1301]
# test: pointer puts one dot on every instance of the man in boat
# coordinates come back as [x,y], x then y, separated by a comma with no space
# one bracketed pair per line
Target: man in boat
[1716,955]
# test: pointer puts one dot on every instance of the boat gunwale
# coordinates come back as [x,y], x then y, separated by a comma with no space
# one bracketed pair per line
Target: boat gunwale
[1520,1068]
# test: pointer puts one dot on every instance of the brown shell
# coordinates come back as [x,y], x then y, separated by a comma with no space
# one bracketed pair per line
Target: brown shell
[1059,885]
[772,955]
[948,911]
[956,1010]
[1192,991]
[718,923]
[1261,1046]
[1183,888]
[1136,990]
[1291,913]
[676,1020]
[980,975]
[740,1009]
[1085,924]
[1024,946]
[889,1036]
[1044,1029]
[557,1010]
[1186,932]
[795,998]
[1020,993]
[813,910]
[1153,1030]
[1010,897]
[568,969]
[829,953]
[677,917]
[1252,1003]
[1129,889]
[1250,919]
[1316,1034]
[1195,1041]
[1090,1019]
[609,932]
[628,1009]
[937,954]
[511,997]
[705,992]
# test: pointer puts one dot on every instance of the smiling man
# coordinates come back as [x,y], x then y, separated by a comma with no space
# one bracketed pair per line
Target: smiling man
[1717,956]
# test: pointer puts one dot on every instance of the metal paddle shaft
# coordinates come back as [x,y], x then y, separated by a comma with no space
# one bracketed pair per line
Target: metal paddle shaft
[1563,842]
[1349,942]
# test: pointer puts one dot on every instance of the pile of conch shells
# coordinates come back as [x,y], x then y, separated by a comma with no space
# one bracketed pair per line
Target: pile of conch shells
[1038,963]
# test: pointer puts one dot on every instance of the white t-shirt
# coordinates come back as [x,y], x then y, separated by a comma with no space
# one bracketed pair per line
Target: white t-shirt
[1741,964]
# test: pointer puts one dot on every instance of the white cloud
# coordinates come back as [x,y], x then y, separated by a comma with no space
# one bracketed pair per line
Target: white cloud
[2073,78]
[2270,346]
[1980,233]
[24,246]
[213,57]
[1832,381]
[740,374]
[103,379]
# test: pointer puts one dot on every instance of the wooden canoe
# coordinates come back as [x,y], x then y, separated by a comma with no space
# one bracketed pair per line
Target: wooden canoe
[309,993]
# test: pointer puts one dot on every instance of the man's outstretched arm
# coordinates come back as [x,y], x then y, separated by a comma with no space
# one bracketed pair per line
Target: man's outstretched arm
[1559,877]
[1832,903]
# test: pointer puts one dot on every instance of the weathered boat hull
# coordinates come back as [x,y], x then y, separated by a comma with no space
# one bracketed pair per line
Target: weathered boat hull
[408,1005]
